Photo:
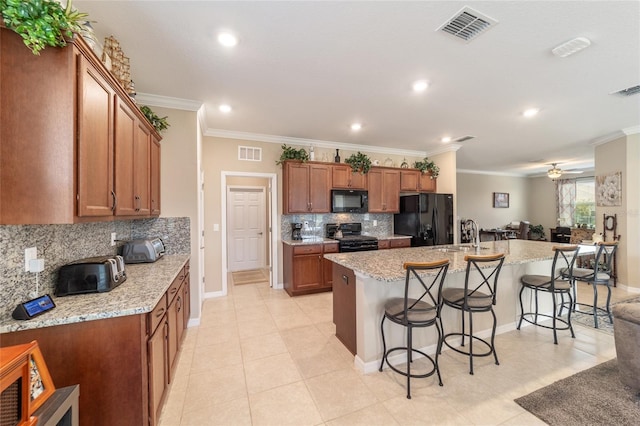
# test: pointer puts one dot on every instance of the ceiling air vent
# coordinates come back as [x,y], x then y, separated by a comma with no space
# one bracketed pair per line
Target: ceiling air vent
[467,24]
[464,138]
[634,90]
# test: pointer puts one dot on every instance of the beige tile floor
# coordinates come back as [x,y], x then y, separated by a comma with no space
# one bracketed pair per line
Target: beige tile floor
[260,357]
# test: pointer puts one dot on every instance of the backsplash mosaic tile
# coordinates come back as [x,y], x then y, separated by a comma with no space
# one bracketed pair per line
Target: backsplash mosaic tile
[383,228]
[61,244]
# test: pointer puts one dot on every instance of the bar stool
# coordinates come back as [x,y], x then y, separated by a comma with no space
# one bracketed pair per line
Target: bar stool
[559,282]
[599,275]
[478,295]
[411,312]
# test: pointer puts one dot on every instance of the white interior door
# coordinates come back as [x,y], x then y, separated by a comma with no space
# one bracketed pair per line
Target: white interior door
[246,228]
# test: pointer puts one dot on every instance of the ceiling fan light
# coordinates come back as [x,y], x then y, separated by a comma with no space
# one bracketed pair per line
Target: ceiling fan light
[554,173]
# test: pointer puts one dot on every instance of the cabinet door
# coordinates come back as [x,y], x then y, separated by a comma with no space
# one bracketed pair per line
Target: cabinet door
[142,169]
[307,272]
[427,184]
[296,188]
[344,306]
[327,265]
[96,196]
[383,244]
[400,243]
[391,191]
[342,177]
[374,183]
[158,374]
[409,180]
[172,338]
[126,126]
[186,301]
[319,188]
[155,176]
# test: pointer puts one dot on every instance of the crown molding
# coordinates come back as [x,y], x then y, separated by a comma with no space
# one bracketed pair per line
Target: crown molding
[631,130]
[317,143]
[483,172]
[627,131]
[167,102]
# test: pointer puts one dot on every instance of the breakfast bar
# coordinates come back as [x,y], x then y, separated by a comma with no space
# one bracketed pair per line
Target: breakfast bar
[362,282]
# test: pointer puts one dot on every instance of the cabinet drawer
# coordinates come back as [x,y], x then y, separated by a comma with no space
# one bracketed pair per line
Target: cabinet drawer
[403,242]
[175,286]
[331,248]
[383,244]
[307,249]
[154,318]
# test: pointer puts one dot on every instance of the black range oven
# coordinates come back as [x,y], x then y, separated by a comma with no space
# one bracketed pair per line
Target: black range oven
[350,238]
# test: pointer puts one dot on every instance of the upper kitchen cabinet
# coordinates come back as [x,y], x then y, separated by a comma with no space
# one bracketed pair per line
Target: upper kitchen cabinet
[384,190]
[415,181]
[155,176]
[59,141]
[343,177]
[306,187]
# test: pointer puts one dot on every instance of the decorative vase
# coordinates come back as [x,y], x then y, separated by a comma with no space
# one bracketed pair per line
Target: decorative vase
[337,157]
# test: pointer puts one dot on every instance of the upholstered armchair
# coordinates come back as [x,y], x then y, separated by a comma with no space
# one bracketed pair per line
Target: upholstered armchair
[626,330]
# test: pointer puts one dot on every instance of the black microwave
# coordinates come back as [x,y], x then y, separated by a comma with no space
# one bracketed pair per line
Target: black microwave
[349,201]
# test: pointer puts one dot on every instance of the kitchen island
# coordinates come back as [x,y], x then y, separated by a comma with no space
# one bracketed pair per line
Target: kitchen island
[363,281]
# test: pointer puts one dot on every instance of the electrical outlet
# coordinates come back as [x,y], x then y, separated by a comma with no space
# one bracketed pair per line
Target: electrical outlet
[375,222]
[113,239]
[30,253]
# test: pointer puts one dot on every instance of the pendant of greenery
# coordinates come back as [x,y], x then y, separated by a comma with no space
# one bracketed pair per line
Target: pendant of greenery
[290,153]
[42,23]
[427,165]
[359,162]
[159,123]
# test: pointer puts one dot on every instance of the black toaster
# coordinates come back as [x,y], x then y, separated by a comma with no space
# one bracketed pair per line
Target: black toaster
[91,275]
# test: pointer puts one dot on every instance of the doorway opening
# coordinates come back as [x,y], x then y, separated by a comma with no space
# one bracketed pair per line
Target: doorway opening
[249,222]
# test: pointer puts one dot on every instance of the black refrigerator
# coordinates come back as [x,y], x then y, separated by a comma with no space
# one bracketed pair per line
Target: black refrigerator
[428,218]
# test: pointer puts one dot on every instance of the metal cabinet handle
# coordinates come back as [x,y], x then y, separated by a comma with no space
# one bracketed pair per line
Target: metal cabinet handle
[160,313]
[115,201]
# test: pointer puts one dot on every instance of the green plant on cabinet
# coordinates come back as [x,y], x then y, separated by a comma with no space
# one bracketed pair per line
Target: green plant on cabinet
[359,162]
[42,23]
[427,166]
[159,123]
[291,153]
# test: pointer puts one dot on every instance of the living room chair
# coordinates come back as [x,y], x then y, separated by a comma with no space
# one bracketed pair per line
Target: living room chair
[522,233]
[411,312]
[599,275]
[477,296]
[557,283]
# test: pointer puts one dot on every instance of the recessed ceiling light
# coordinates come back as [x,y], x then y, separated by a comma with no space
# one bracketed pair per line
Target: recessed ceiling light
[225,108]
[446,139]
[356,126]
[420,85]
[227,39]
[530,112]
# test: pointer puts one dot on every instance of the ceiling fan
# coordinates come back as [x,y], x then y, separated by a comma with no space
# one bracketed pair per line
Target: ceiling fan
[555,172]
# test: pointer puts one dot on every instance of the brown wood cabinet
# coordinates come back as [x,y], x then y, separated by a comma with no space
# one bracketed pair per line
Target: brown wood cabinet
[344,302]
[384,190]
[343,177]
[306,187]
[155,176]
[58,154]
[305,269]
[415,181]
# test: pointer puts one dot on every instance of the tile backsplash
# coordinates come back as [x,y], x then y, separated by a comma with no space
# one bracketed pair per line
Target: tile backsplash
[61,244]
[383,222]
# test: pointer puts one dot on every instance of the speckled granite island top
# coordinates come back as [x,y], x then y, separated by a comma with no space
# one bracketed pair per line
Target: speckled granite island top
[386,265]
[323,240]
[139,294]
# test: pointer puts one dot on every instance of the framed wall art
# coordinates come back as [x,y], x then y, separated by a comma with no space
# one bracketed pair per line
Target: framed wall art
[500,200]
[609,190]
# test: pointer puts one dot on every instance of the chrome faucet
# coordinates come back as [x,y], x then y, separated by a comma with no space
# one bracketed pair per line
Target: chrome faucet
[476,231]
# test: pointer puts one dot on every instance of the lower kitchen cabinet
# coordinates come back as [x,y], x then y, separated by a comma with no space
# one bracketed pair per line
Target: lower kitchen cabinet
[344,301]
[394,243]
[305,270]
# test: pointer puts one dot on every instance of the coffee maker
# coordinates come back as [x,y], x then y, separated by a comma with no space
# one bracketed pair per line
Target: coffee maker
[296,231]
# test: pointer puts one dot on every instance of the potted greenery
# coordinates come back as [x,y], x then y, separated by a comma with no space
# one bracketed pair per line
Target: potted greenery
[42,23]
[159,123]
[291,153]
[537,232]
[427,166]
[359,162]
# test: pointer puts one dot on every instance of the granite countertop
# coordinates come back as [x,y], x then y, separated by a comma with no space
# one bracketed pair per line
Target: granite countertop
[139,294]
[386,265]
[395,237]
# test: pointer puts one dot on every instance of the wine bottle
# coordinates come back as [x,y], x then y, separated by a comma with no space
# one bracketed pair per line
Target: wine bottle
[337,158]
